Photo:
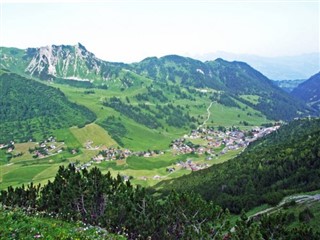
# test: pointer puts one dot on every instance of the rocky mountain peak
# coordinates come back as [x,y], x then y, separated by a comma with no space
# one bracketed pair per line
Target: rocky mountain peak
[65,61]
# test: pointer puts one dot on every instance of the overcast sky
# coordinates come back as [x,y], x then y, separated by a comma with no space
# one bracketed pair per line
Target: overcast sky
[131,30]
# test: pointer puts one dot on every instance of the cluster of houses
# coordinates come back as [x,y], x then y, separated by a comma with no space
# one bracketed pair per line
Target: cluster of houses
[112,154]
[46,147]
[119,154]
[89,145]
[149,153]
[190,165]
[9,146]
[84,166]
[211,143]
[213,140]
[261,132]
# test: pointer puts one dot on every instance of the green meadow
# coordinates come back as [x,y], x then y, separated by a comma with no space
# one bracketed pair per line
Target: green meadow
[138,137]
[94,133]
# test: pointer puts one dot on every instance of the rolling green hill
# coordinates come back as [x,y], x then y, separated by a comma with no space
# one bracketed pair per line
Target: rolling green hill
[234,79]
[176,110]
[15,224]
[32,110]
[285,162]
[178,69]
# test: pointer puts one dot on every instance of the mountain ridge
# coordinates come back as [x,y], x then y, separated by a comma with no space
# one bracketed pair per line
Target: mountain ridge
[300,66]
[233,78]
[64,61]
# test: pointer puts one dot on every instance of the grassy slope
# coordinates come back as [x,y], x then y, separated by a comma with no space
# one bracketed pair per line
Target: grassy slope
[230,116]
[17,225]
[140,167]
[93,132]
[138,137]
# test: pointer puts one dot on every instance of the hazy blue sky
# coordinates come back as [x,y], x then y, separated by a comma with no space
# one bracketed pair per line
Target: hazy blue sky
[132,30]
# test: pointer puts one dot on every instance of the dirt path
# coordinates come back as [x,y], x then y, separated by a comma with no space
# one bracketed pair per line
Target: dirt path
[209,113]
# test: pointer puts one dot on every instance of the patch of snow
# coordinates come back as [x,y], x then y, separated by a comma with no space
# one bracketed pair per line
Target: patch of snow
[200,71]
[77,79]
[203,90]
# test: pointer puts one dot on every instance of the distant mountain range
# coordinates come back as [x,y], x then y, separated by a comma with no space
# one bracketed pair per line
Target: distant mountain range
[236,80]
[288,85]
[275,68]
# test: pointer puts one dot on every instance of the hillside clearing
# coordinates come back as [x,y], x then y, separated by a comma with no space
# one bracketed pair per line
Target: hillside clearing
[93,133]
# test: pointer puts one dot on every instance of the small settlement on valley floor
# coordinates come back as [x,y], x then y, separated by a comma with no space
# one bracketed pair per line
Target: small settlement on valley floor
[206,142]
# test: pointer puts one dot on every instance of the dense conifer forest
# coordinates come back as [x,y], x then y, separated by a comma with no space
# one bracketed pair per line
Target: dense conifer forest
[32,110]
[118,207]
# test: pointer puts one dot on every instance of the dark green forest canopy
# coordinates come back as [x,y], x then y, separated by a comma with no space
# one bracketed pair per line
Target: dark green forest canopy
[29,109]
[120,208]
[98,199]
[285,162]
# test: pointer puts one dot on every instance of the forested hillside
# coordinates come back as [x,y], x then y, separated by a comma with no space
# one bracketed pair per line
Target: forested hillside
[236,79]
[242,80]
[309,91]
[285,162]
[186,71]
[31,110]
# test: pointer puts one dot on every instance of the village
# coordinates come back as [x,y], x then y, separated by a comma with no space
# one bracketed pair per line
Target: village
[47,147]
[213,140]
[208,144]
[42,149]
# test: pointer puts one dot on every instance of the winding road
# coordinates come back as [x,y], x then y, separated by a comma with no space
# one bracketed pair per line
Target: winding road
[299,199]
